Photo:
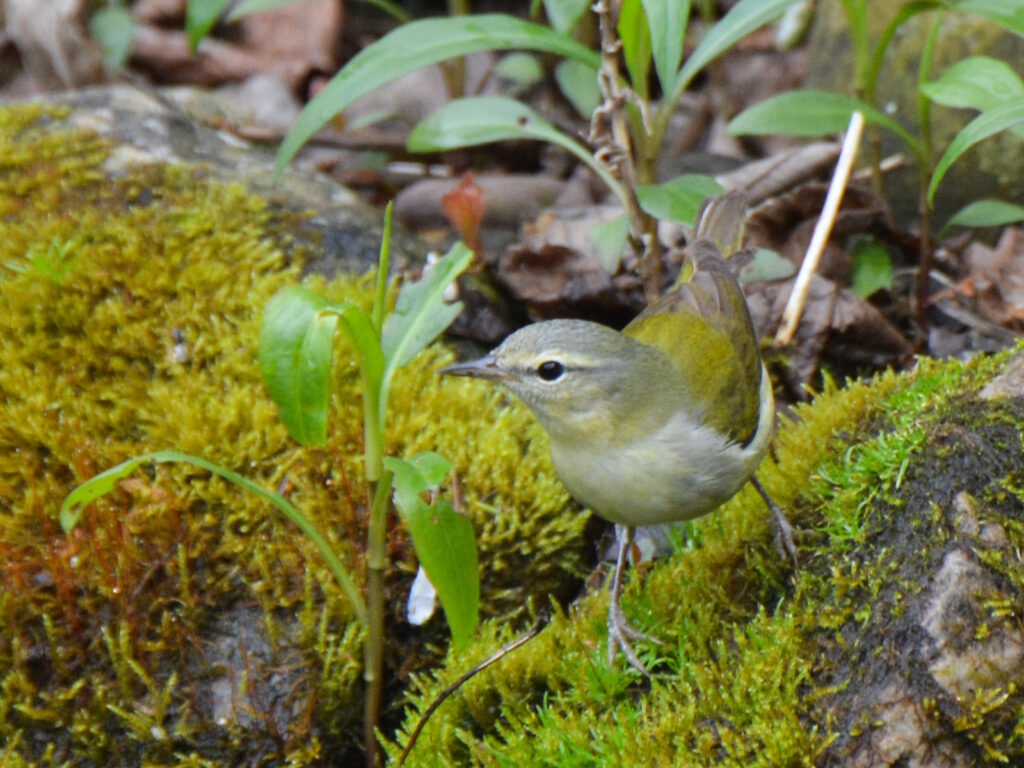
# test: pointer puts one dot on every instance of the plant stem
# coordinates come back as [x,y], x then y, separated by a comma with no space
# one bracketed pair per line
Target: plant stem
[620,153]
[380,294]
[373,647]
[926,162]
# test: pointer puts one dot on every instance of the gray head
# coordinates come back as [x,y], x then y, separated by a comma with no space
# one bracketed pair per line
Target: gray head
[581,379]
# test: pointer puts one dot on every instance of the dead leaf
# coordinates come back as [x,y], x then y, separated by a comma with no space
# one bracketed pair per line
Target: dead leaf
[53,43]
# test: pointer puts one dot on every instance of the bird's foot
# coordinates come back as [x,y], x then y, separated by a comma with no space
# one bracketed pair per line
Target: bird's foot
[620,633]
[619,630]
[783,538]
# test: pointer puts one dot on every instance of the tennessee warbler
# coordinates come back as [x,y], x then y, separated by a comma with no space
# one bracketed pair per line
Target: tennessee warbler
[662,422]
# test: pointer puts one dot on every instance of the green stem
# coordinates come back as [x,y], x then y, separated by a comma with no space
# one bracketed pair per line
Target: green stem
[373,647]
[383,267]
[926,162]
[455,69]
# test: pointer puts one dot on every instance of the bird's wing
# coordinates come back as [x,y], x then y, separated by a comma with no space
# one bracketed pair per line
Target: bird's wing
[704,327]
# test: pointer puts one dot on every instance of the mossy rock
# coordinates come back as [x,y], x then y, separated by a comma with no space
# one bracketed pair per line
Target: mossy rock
[898,642]
[184,621]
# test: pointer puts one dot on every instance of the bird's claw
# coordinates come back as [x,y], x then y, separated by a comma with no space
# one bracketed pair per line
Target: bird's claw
[620,632]
[783,538]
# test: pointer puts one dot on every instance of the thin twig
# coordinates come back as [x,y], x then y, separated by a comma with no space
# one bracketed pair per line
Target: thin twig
[542,621]
[616,151]
[795,307]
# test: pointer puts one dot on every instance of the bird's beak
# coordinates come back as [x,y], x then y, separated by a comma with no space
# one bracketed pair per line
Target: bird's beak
[485,367]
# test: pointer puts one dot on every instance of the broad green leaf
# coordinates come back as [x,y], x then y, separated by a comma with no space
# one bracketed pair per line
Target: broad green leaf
[444,541]
[667,20]
[295,359]
[678,199]
[766,265]
[563,14]
[745,17]
[986,213]
[112,27]
[247,7]
[252,6]
[988,123]
[636,44]
[105,482]
[609,240]
[578,83]
[432,467]
[419,44]
[524,70]
[810,113]
[872,267]
[1008,14]
[483,119]
[200,17]
[978,82]
[420,315]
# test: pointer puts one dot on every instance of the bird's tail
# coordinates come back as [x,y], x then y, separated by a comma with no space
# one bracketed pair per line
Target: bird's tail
[721,220]
[718,236]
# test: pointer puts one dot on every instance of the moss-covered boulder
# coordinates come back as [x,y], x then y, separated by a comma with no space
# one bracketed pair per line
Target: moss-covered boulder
[898,643]
[184,621]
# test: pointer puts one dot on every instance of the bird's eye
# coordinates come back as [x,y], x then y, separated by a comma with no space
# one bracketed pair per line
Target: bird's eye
[550,370]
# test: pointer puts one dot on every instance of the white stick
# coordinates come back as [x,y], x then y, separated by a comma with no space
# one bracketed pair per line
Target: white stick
[797,299]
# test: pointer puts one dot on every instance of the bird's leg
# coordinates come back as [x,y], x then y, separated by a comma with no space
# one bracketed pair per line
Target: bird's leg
[619,630]
[783,530]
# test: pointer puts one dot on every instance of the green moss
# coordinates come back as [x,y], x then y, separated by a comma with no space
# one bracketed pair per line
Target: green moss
[185,622]
[755,665]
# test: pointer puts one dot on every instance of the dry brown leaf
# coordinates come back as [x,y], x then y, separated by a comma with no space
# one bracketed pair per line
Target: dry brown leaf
[54,46]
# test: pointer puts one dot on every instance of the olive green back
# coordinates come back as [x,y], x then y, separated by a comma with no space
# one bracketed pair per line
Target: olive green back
[703,325]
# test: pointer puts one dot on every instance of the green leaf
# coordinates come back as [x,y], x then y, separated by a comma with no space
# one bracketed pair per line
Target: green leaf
[252,6]
[200,18]
[872,267]
[524,70]
[105,482]
[295,359]
[988,123]
[112,27]
[420,315]
[766,265]
[810,113]
[1008,14]
[667,20]
[745,17]
[419,44]
[978,82]
[483,119]
[444,541]
[636,45]
[986,213]
[563,14]
[432,467]
[247,7]
[678,199]
[578,83]
[609,240]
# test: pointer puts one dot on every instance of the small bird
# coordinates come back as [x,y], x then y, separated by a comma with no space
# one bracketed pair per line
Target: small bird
[662,422]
